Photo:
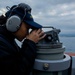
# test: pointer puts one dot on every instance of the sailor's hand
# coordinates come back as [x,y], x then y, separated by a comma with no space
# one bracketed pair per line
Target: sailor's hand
[36,35]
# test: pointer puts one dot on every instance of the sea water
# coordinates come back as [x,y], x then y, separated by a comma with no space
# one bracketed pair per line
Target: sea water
[69,43]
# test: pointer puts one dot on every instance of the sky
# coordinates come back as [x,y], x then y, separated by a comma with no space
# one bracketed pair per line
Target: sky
[57,13]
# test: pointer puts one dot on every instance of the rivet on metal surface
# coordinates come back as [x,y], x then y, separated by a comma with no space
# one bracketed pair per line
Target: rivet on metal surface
[45,66]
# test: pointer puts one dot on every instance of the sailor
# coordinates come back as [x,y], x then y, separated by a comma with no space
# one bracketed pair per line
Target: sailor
[15,25]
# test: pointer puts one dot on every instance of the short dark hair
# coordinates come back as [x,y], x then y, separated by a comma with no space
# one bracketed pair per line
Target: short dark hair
[2,19]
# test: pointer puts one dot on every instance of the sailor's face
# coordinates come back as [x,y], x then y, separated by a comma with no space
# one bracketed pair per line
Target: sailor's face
[22,32]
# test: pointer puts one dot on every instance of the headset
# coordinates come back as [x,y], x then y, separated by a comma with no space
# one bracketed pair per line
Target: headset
[14,21]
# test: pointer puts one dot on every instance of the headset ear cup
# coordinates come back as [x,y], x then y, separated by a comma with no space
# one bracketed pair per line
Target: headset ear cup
[13,23]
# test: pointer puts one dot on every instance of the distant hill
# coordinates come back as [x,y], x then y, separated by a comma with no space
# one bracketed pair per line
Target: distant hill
[67,35]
